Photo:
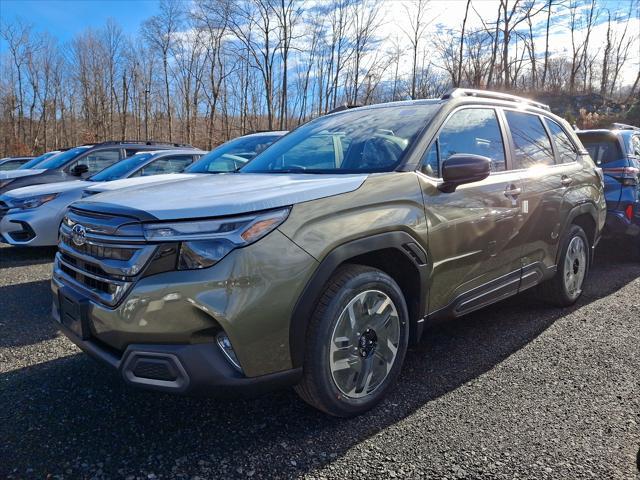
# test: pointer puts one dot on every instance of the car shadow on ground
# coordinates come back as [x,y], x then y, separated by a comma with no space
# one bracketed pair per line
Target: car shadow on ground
[20,257]
[25,317]
[83,410]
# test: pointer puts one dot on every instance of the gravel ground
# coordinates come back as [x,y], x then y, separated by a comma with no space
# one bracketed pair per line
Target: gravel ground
[518,390]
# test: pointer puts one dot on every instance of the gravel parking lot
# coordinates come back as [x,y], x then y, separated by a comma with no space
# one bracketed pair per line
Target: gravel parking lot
[517,390]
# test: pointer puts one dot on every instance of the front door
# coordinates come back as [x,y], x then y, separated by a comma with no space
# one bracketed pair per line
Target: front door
[472,232]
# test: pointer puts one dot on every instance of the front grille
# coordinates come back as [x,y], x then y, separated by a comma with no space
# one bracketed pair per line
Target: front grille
[101,251]
[107,260]
[90,282]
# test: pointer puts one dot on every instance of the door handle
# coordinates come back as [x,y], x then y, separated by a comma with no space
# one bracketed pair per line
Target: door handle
[512,191]
[566,181]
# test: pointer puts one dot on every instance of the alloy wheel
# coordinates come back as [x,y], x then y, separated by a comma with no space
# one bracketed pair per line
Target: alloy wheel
[364,343]
[575,266]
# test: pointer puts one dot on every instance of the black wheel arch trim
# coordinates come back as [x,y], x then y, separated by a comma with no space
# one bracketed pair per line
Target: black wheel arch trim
[579,210]
[398,240]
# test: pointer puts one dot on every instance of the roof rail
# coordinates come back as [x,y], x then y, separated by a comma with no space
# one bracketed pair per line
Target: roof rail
[143,142]
[469,92]
[342,107]
[623,126]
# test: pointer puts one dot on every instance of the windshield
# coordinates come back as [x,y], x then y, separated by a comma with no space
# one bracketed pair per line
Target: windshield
[60,159]
[34,161]
[356,141]
[232,155]
[118,170]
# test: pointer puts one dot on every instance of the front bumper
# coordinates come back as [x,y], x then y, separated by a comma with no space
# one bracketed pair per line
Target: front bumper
[198,369]
[249,295]
[31,228]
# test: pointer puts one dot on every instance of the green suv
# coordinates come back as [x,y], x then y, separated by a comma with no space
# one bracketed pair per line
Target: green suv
[319,261]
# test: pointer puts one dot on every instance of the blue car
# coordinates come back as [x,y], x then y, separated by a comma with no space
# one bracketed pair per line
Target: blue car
[617,152]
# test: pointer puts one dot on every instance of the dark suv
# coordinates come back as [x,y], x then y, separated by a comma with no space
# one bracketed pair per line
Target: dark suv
[78,163]
[319,261]
[617,152]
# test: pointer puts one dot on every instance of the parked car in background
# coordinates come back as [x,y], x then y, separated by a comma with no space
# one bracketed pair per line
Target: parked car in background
[31,216]
[225,158]
[617,152]
[78,163]
[321,259]
[235,154]
[35,161]
[11,163]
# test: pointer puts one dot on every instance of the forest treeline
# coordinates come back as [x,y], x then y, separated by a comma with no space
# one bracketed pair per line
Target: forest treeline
[204,71]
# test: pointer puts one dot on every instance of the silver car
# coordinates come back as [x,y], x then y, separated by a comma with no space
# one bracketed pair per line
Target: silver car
[31,216]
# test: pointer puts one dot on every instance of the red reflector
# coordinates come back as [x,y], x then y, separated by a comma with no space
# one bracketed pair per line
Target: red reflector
[629,212]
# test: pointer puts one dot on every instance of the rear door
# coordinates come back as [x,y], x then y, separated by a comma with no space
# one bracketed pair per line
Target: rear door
[547,160]
[472,231]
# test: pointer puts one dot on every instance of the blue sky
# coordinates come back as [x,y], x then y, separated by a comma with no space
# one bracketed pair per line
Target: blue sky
[64,18]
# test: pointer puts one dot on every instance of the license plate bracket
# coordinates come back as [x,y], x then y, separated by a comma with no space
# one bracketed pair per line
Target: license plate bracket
[73,313]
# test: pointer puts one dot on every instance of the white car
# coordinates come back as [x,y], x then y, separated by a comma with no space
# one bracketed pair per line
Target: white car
[31,216]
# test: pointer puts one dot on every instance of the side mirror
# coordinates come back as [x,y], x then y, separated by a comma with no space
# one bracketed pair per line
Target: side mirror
[463,168]
[79,169]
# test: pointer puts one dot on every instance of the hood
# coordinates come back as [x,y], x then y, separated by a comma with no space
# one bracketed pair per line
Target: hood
[99,187]
[46,188]
[226,194]
[20,173]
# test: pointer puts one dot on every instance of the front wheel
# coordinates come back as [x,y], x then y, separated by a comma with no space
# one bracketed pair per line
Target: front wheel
[566,286]
[356,342]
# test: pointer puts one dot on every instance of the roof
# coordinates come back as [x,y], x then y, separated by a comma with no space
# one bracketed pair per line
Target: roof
[268,133]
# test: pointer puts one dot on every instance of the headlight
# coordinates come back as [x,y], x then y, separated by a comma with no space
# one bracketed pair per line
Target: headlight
[31,202]
[206,242]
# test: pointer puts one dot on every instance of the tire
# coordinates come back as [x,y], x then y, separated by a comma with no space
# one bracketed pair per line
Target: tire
[564,289]
[349,376]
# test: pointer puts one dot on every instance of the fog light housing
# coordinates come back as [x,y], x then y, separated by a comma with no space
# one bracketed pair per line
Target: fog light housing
[225,345]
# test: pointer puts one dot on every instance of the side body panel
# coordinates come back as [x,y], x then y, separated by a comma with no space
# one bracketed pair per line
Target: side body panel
[473,241]
[384,203]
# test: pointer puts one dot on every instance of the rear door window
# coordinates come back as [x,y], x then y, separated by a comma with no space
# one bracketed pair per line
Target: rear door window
[169,164]
[564,146]
[99,160]
[530,140]
[473,131]
[133,151]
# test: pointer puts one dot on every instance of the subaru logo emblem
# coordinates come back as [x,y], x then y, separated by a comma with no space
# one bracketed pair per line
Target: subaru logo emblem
[79,234]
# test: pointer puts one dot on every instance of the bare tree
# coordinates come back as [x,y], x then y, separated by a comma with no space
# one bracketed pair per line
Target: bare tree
[159,31]
[416,12]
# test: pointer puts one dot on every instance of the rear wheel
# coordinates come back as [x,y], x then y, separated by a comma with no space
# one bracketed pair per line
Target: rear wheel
[566,286]
[356,342]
